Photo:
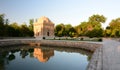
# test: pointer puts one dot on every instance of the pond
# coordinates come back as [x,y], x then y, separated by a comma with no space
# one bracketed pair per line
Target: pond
[43,58]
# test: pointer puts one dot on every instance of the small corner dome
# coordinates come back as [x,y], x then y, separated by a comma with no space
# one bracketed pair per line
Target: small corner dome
[43,19]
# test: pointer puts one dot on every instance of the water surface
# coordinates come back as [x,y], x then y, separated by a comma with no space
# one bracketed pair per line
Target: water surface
[43,58]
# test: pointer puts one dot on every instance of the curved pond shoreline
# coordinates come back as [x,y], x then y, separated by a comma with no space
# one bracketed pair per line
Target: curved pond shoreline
[105,54]
[85,45]
[43,58]
[90,46]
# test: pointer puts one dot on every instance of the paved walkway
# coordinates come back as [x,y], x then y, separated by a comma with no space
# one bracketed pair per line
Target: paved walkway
[106,57]
[111,55]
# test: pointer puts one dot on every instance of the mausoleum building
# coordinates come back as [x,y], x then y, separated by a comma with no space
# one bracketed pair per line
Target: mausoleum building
[43,28]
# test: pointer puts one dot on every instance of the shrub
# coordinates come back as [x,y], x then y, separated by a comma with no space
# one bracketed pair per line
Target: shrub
[100,39]
[66,38]
[59,39]
[81,39]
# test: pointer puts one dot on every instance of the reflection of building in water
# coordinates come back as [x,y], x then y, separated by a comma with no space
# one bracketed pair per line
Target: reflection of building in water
[43,55]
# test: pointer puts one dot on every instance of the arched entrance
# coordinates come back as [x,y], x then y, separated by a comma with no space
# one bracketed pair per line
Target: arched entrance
[48,33]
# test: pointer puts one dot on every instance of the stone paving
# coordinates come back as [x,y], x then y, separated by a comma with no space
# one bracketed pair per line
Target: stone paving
[106,57]
[111,55]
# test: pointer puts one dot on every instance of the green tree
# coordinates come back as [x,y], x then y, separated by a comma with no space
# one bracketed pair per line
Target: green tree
[31,21]
[24,30]
[59,30]
[94,25]
[6,21]
[96,21]
[81,28]
[114,27]
[1,24]
[67,29]
[97,18]
[1,19]
[6,27]
[72,32]
[95,33]
[107,32]
[14,30]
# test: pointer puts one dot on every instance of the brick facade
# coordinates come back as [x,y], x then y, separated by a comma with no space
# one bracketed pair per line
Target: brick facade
[43,28]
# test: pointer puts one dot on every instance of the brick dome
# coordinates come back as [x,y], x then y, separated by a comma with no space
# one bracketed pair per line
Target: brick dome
[44,19]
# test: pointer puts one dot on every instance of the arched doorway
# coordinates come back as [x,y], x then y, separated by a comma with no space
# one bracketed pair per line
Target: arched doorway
[48,33]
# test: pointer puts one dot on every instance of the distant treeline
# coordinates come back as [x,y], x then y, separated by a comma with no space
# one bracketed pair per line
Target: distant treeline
[90,28]
[15,30]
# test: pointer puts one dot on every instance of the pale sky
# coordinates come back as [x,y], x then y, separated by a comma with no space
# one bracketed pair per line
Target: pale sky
[59,11]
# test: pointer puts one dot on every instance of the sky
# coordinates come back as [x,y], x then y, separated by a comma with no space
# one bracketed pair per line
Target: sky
[59,11]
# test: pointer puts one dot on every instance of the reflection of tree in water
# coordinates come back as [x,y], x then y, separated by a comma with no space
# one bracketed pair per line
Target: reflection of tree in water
[5,57]
[11,57]
[2,63]
[2,59]
[31,52]
[23,53]
[89,57]
[7,54]
[43,55]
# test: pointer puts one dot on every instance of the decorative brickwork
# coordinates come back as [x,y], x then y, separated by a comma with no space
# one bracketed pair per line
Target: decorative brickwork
[43,28]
